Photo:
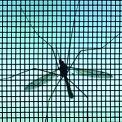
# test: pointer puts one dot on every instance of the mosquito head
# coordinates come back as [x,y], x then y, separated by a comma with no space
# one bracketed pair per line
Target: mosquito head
[60,61]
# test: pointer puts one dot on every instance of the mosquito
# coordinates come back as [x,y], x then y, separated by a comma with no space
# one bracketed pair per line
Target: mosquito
[64,67]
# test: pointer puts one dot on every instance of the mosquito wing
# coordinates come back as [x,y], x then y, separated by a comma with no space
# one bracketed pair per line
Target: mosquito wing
[90,73]
[41,80]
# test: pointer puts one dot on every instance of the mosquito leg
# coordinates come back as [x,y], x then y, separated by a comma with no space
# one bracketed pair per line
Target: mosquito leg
[93,49]
[72,30]
[23,72]
[79,89]
[50,99]
[43,40]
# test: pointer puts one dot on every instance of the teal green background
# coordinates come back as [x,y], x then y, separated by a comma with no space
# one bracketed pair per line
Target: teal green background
[96,23]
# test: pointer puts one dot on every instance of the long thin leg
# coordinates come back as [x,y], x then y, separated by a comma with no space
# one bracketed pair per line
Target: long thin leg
[93,48]
[41,37]
[72,30]
[46,119]
[85,96]
[79,89]
[24,72]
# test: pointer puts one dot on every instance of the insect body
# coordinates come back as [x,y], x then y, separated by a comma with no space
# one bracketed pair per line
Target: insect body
[64,69]
[63,72]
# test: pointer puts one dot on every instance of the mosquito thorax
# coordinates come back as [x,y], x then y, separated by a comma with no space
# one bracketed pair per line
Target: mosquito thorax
[60,61]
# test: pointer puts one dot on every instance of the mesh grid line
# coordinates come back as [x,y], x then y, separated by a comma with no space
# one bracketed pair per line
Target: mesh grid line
[86,35]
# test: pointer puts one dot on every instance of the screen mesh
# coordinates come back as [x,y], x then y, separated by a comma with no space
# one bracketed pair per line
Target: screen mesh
[85,35]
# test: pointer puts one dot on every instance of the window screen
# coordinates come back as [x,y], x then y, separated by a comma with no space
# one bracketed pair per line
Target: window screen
[85,36]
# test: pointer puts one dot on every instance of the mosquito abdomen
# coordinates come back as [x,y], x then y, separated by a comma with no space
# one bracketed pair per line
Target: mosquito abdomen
[68,88]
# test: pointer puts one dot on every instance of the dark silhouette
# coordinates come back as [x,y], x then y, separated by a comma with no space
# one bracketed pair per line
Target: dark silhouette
[63,72]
